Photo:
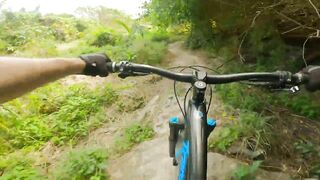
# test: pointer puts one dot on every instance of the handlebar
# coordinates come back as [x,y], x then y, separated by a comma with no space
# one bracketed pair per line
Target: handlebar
[126,69]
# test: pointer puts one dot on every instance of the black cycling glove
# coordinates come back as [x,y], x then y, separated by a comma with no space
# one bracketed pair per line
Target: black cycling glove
[314,78]
[96,64]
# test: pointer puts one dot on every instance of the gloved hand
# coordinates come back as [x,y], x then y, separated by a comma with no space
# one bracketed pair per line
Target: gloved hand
[314,77]
[96,64]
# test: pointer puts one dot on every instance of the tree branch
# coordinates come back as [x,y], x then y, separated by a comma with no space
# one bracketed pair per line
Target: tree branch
[315,8]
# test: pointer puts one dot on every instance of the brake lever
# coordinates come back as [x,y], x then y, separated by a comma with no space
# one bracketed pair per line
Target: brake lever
[292,90]
[276,86]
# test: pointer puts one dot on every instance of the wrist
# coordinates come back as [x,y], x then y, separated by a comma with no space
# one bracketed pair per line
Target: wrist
[73,65]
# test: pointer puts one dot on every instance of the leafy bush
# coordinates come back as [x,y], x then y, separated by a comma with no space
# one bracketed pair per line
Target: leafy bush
[138,133]
[310,152]
[160,36]
[249,125]
[30,31]
[21,172]
[133,134]
[102,37]
[17,166]
[64,27]
[302,103]
[55,112]
[241,96]
[255,99]
[83,164]
[246,172]
[148,52]
[38,48]
[3,46]
[121,52]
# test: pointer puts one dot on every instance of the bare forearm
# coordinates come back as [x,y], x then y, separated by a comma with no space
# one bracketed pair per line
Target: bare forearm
[19,75]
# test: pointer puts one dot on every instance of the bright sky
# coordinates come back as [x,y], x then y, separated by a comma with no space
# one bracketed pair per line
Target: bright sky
[131,7]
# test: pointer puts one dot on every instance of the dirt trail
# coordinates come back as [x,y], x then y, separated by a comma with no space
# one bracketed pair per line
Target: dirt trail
[150,160]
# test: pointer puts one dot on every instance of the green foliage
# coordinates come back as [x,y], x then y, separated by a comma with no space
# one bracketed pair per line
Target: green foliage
[105,16]
[251,98]
[160,36]
[303,103]
[130,103]
[101,37]
[249,125]
[83,164]
[307,148]
[240,96]
[133,134]
[36,34]
[60,113]
[137,48]
[81,48]
[246,172]
[64,27]
[310,151]
[125,26]
[166,13]
[138,133]
[225,138]
[55,112]
[3,46]
[148,52]
[21,171]
[17,166]
[76,110]
[35,48]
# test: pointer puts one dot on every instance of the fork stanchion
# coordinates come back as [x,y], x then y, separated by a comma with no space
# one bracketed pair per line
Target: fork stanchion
[175,126]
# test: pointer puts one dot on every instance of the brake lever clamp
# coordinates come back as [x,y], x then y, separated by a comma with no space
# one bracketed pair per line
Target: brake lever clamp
[125,70]
[285,77]
[284,81]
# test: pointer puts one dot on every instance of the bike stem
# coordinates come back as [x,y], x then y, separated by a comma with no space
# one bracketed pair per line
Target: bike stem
[199,86]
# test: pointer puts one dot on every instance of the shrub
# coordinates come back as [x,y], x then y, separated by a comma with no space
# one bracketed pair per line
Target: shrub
[249,125]
[133,134]
[3,47]
[148,52]
[38,48]
[160,36]
[18,166]
[121,52]
[244,172]
[55,112]
[102,36]
[242,96]
[255,99]
[82,164]
[302,103]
